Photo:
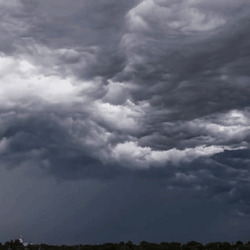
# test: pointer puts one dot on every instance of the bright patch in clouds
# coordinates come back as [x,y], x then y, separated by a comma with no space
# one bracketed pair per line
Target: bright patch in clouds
[21,79]
[144,157]
[125,117]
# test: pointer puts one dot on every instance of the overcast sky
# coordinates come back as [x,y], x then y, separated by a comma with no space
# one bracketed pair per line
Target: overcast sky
[124,120]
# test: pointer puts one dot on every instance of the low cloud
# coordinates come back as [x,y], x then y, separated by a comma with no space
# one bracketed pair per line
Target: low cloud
[153,90]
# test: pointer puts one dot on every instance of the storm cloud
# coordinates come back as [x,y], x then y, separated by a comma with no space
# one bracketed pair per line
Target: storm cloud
[134,98]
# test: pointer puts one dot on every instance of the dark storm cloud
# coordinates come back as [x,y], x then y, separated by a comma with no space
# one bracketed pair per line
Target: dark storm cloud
[174,82]
[112,90]
[73,26]
[180,71]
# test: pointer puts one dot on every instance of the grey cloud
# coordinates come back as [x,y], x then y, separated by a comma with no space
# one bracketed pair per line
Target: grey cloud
[150,96]
[41,140]
[94,27]
[179,77]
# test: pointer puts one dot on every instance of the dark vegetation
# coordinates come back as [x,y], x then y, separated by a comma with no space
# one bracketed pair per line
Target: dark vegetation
[192,245]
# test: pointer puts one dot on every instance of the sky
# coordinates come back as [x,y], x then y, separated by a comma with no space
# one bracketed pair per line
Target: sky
[124,120]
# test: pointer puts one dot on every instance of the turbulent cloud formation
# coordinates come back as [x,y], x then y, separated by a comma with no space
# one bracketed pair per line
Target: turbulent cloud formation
[153,90]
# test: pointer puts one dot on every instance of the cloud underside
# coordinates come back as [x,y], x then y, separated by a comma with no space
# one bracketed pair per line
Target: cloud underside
[155,88]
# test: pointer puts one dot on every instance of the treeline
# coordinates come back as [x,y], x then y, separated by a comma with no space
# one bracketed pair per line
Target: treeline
[192,245]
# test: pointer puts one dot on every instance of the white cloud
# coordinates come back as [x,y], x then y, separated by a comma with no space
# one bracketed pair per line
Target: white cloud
[132,155]
[125,117]
[222,128]
[20,79]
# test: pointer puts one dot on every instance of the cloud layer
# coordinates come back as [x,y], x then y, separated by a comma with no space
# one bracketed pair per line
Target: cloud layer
[155,89]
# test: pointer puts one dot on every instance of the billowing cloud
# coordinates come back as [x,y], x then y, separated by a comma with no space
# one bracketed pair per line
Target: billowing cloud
[153,90]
